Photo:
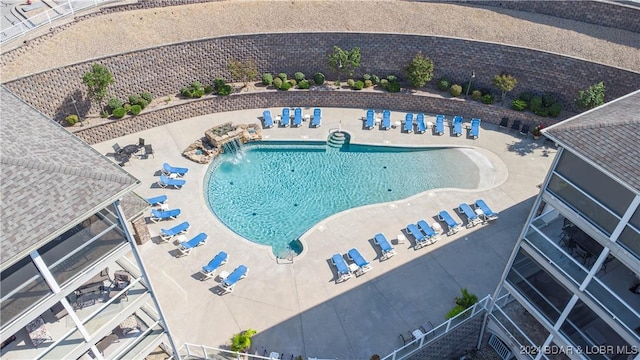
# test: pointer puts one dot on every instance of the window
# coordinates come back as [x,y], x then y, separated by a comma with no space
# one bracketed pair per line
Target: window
[630,239]
[21,286]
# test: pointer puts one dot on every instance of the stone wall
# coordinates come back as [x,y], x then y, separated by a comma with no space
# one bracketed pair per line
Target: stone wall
[164,70]
[455,344]
[342,99]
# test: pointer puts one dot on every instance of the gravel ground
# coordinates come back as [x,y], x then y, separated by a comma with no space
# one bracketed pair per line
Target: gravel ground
[127,31]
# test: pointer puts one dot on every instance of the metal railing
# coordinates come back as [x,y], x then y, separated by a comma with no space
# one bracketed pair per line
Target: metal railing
[47,17]
[192,351]
[439,331]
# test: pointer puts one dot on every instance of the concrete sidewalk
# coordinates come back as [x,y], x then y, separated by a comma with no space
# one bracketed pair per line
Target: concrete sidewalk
[297,307]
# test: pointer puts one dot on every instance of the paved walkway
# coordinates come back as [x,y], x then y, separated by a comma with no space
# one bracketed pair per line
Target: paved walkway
[297,307]
[128,31]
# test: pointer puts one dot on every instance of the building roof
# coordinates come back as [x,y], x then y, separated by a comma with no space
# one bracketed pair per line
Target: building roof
[608,136]
[50,179]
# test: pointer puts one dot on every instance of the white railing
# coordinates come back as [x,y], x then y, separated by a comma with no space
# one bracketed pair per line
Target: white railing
[439,331]
[191,351]
[47,17]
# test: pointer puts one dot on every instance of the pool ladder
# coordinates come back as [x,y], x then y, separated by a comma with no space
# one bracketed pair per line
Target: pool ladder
[337,139]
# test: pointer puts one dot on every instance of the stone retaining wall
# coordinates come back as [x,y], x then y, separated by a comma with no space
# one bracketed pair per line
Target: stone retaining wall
[164,70]
[342,99]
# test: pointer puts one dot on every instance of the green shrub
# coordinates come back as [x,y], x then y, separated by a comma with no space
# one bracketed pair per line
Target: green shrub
[358,85]
[375,79]
[518,104]
[350,83]
[299,76]
[393,86]
[134,99]
[392,78]
[218,83]
[114,103]
[241,342]
[555,109]
[304,84]
[277,83]
[282,77]
[541,112]
[535,104]
[126,107]
[285,86]
[366,77]
[196,84]
[455,311]
[293,83]
[71,119]
[267,79]
[476,95]
[337,83]
[208,89]
[548,100]
[368,83]
[147,96]
[487,99]
[318,78]
[443,84]
[143,103]
[384,83]
[104,114]
[224,90]
[456,90]
[198,93]
[525,96]
[119,113]
[135,109]
[195,90]
[592,96]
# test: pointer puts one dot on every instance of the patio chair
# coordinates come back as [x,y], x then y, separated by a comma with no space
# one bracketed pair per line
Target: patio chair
[431,236]
[487,213]
[267,119]
[341,266]
[140,142]
[474,132]
[209,270]
[452,225]
[317,118]
[369,122]
[420,124]
[408,123]
[457,125]
[117,149]
[386,120]
[172,170]
[168,234]
[158,215]
[286,117]
[297,117]
[439,129]
[157,200]
[418,236]
[516,125]
[185,247]
[525,130]
[472,218]
[148,150]
[363,265]
[386,248]
[229,283]
[164,182]
[504,122]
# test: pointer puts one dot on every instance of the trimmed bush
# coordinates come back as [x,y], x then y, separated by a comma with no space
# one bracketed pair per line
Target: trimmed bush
[455,311]
[358,85]
[548,100]
[455,90]
[143,103]
[126,107]
[350,83]
[282,77]
[293,83]
[535,104]
[393,86]
[487,99]
[285,86]
[318,78]
[147,96]
[304,84]
[195,90]
[224,90]
[366,77]
[392,78]
[218,83]
[299,76]
[71,119]
[277,83]
[443,84]
[208,89]
[368,83]
[476,95]
[104,114]
[134,99]
[115,103]
[267,79]
[518,104]
[526,96]
[375,79]
[555,109]
[135,109]
[119,113]
[542,112]
[384,83]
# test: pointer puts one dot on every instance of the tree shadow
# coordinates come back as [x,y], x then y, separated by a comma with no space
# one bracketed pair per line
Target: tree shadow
[73,103]
[526,146]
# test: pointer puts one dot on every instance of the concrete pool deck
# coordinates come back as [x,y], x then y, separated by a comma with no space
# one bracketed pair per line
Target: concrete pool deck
[297,307]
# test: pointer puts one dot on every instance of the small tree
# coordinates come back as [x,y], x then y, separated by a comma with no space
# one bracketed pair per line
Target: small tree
[243,71]
[242,340]
[420,70]
[97,81]
[505,83]
[592,97]
[343,61]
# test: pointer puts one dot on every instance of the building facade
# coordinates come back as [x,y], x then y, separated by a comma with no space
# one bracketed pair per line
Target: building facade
[572,285]
[72,284]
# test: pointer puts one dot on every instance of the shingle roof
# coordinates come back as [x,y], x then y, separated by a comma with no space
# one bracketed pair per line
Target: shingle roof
[49,179]
[608,135]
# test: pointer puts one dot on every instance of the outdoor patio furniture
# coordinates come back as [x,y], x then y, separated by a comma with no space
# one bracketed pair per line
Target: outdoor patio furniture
[38,332]
[148,150]
[117,149]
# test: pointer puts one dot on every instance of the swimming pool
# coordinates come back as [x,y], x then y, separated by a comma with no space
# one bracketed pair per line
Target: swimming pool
[275,191]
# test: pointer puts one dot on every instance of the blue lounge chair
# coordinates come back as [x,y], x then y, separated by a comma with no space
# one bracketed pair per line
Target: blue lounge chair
[168,234]
[164,182]
[230,281]
[475,128]
[452,225]
[408,123]
[297,117]
[421,240]
[420,123]
[157,200]
[268,120]
[386,120]
[440,124]
[457,125]
[472,218]
[370,121]
[317,118]
[169,170]
[286,118]
[487,213]
[209,270]
[432,236]
[343,270]
[355,256]
[387,250]
[186,246]
[158,215]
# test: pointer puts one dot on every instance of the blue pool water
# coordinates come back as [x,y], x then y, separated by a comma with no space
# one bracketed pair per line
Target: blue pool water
[275,191]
